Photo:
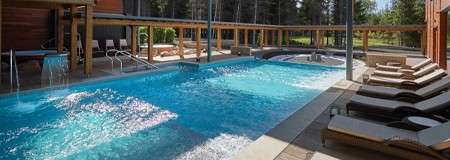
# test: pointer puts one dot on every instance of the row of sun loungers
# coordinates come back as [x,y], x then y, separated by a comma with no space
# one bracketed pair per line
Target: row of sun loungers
[393,98]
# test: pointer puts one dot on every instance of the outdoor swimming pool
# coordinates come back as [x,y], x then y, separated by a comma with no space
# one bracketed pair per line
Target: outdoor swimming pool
[209,113]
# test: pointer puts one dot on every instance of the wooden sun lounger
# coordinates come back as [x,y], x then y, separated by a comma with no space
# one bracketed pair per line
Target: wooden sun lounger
[408,74]
[405,94]
[406,83]
[396,68]
[428,144]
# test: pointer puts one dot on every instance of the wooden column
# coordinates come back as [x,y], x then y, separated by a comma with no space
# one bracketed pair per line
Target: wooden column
[236,38]
[273,37]
[317,39]
[261,38]
[1,49]
[198,38]
[423,42]
[266,37]
[365,41]
[246,37]
[181,43]
[219,39]
[150,51]
[89,27]
[73,39]
[280,38]
[60,39]
[442,39]
[287,38]
[134,32]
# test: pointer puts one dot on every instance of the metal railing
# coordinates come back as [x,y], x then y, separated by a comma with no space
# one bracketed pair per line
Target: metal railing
[13,63]
[132,57]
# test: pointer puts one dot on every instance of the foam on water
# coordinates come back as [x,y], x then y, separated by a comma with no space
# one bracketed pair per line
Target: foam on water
[91,119]
[222,147]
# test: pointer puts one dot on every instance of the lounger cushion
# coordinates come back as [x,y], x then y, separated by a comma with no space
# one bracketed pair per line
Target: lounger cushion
[381,104]
[437,137]
[367,130]
[387,73]
[421,64]
[424,71]
[380,91]
[388,67]
[436,103]
[435,87]
[437,74]
[386,80]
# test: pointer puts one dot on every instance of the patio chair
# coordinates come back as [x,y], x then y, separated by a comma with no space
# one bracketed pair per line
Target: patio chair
[123,45]
[109,45]
[405,94]
[431,143]
[406,83]
[96,46]
[396,68]
[407,73]
[398,109]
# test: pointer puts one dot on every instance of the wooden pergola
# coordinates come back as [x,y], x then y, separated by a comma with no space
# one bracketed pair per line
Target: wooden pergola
[279,34]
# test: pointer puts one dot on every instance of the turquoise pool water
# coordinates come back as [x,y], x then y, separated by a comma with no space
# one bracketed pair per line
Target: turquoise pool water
[210,113]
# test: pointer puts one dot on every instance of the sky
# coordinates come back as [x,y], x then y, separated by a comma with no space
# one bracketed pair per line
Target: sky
[381,4]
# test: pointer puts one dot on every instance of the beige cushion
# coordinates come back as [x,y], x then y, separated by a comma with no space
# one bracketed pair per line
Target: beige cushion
[387,73]
[367,130]
[428,69]
[421,64]
[437,137]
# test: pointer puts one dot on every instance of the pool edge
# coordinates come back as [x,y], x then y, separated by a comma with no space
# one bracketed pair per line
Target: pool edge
[267,147]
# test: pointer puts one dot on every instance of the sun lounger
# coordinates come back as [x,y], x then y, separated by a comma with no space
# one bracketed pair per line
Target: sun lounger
[408,74]
[396,68]
[405,83]
[397,109]
[405,94]
[425,144]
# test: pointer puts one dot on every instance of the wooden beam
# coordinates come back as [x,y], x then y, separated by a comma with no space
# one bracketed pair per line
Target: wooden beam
[73,59]
[236,38]
[150,51]
[365,41]
[198,45]
[89,27]
[134,32]
[280,38]
[181,43]
[60,39]
[219,39]
[287,38]
[246,37]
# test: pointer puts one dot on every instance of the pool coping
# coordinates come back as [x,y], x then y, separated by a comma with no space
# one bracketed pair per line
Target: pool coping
[273,142]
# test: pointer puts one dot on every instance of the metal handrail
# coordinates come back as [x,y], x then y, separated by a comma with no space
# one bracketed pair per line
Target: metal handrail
[110,58]
[131,56]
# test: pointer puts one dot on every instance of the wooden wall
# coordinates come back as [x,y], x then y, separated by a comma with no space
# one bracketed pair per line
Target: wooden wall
[25,28]
[109,6]
[436,12]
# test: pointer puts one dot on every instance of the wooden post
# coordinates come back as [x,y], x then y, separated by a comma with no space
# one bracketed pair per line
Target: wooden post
[317,39]
[89,27]
[181,43]
[442,39]
[266,38]
[287,38]
[198,46]
[366,41]
[150,51]
[246,37]
[273,37]
[73,39]
[261,38]
[236,38]
[134,30]
[423,42]
[280,38]
[60,39]
[1,49]
[219,39]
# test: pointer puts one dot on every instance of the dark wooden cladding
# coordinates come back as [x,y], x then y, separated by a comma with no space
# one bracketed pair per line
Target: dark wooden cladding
[109,6]
[25,28]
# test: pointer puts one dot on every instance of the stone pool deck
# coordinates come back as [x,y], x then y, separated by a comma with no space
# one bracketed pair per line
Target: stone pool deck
[299,136]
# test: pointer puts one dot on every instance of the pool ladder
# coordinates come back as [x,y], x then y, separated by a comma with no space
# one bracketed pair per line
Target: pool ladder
[15,75]
[132,57]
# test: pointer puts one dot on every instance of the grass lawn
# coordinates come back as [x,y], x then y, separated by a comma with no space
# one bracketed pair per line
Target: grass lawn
[357,42]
